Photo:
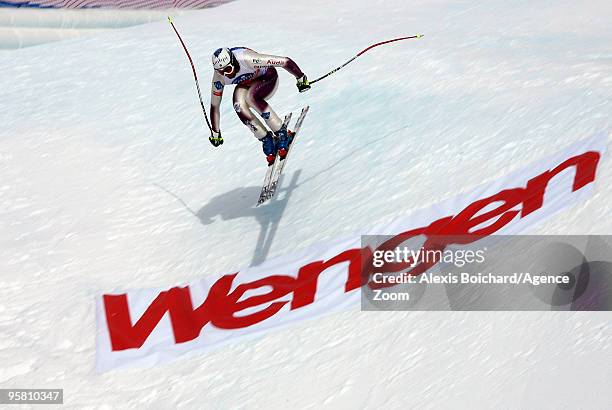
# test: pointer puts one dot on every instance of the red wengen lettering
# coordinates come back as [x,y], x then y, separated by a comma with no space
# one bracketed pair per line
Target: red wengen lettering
[222,304]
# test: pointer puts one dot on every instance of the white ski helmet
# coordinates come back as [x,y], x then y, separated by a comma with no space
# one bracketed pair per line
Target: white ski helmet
[221,58]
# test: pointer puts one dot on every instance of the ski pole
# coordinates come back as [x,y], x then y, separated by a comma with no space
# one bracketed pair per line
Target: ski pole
[195,75]
[363,52]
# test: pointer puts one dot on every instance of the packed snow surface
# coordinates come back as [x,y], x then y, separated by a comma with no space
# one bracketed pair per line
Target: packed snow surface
[108,182]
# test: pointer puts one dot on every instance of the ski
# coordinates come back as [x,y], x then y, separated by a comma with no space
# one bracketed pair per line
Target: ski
[298,125]
[270,189]
[263,195]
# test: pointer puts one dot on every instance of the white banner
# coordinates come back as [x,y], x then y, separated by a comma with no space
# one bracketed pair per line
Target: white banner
[146,327]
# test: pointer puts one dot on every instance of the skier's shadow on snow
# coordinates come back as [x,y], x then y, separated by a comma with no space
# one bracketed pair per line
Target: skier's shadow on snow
[240,203]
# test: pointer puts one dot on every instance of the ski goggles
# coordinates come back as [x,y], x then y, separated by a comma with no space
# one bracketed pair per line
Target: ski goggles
[227,70]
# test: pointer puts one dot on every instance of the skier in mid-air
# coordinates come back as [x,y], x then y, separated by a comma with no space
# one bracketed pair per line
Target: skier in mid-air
[256,79]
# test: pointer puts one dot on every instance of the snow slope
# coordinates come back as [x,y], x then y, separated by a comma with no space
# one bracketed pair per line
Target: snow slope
[108,182]
[24,27]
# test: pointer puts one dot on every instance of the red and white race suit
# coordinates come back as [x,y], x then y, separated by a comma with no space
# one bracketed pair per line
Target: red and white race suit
[256,79]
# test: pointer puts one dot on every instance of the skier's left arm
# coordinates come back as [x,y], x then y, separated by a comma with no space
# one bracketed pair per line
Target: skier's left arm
[266,60]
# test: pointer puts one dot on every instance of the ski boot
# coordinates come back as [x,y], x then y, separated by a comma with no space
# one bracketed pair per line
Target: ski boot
[284,139]
[269,148]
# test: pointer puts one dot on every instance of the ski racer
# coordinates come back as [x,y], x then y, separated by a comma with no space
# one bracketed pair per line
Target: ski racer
[256,80]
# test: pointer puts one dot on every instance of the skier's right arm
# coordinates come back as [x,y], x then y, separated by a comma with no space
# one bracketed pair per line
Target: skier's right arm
[216,94]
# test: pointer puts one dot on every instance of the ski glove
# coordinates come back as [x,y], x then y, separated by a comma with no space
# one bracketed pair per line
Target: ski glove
[303,84]
[215,138]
